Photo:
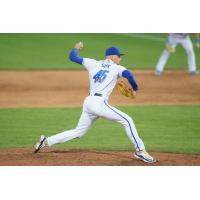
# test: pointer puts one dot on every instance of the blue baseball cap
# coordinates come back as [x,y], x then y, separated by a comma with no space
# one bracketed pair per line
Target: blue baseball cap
[113,51]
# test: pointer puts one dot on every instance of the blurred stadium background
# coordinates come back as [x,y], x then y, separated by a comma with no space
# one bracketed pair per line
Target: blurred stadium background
[50,51]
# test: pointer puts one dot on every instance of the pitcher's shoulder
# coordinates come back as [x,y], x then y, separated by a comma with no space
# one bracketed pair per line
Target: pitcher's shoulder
[89,61]
[120,67]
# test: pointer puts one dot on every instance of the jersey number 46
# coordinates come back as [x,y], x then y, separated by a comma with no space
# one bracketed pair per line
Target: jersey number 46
[100,76]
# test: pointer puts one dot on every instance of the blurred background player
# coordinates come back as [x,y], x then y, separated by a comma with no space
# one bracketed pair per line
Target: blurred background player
[197,40]
[171,41]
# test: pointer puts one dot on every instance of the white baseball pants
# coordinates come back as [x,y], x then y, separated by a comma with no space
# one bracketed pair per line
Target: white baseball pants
[187,45]
[95,107]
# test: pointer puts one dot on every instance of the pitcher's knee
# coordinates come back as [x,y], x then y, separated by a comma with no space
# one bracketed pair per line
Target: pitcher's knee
[80,133]
[127,121]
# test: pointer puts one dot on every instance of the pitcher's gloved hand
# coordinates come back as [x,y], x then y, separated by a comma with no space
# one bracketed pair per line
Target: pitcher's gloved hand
[125,89]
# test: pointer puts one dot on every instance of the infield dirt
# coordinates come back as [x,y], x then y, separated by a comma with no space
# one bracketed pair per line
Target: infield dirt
[69,88]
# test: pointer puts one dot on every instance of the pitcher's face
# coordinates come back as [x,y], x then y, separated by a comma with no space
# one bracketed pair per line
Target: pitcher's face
[115,58]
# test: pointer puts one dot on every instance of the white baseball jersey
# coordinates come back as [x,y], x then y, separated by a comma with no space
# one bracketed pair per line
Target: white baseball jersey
[178,35]
[103,75]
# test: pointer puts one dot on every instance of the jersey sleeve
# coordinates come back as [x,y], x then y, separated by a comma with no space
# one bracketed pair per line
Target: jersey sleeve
[89,63]
[120,70]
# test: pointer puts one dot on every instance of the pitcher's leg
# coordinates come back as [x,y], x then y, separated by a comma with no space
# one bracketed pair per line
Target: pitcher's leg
[114,114]
[84,124]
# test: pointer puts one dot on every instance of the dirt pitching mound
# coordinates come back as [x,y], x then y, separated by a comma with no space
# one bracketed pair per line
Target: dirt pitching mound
[63,157]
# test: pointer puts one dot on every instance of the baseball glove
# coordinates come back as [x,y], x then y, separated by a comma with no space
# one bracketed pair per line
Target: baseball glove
[125,89]
[170,48]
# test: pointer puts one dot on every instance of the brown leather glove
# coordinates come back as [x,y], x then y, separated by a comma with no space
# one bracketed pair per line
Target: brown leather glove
[125,89]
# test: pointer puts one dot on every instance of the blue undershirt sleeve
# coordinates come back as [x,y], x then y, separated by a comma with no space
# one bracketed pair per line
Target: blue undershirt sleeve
[74,57]
[130,77]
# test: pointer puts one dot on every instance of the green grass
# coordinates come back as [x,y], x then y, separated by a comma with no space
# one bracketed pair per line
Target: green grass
[162,128]
[50,51]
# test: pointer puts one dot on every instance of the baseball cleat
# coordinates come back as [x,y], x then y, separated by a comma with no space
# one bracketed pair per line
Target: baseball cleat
[144,156]
[195,72]
[41,144]
[158,73]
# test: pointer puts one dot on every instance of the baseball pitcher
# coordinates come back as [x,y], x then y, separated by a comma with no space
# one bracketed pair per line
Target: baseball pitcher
[103,77]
